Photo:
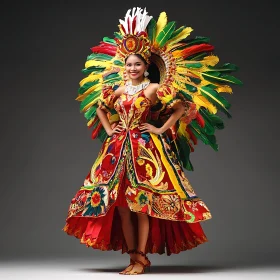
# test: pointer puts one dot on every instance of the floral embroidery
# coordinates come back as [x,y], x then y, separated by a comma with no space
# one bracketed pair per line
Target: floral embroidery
[149,170]
[142,198]
[171,203]
[146,137]
[142,141]
[96,202]
[140,161]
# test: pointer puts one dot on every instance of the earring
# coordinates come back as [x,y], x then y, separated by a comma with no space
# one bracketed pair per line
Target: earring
[146,73]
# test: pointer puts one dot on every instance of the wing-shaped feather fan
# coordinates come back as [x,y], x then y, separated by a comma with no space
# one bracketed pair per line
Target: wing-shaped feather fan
[192,75]
[103,67]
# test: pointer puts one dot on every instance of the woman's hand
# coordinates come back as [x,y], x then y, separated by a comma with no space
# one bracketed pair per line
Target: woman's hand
[115,129]
[147,127]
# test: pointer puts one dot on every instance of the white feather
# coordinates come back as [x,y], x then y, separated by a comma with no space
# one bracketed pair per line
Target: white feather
[142,20]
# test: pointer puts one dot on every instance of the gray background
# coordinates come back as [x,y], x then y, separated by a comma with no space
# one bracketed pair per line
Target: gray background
[46,150]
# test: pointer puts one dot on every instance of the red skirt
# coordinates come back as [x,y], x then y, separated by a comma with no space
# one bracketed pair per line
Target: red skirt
[105,233]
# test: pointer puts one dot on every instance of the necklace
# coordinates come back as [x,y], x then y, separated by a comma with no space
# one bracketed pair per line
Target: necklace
[130,89]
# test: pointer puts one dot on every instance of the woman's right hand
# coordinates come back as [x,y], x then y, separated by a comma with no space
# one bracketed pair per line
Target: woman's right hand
[115,129]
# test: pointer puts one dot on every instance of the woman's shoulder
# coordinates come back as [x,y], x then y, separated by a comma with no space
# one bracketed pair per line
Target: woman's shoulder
[154,86]
[120,90]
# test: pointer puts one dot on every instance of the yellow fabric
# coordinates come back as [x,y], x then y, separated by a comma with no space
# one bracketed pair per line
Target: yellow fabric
[168,167]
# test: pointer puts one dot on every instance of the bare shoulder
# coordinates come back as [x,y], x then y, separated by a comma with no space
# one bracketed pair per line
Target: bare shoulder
[120,90]
[154,86]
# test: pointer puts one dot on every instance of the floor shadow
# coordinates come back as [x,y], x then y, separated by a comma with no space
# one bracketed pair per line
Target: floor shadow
[157,269]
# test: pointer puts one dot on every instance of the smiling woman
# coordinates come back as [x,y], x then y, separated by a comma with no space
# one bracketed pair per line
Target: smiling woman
[136,197]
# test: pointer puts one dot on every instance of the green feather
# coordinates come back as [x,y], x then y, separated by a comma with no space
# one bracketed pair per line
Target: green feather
[99,57]
[93,69]
[118,63]
[216,99]
[214,119]
[90,112]
[102,135]
[118,35]
[197,40]
[89,98]
[165,34]
[198,56]
[112,78]
[200,134]
[189,42]
[176,32]
[193,65]
[151,29]
[86,86]
[217,77]
[190,88]
[227,67]
[185,95]
[109,41]
[184,152]
[209,127]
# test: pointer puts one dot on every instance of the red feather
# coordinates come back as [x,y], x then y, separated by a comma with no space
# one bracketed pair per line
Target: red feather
[192,136]
[133,25]
[200,119]
[93,122]
[122,28]
[105,48]
[96,131]
[196,49]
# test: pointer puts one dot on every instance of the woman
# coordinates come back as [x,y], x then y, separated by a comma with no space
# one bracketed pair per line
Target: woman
[136,197]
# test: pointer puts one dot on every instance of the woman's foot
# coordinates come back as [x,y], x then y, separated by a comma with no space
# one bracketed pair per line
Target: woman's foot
[141,263]
[132,254]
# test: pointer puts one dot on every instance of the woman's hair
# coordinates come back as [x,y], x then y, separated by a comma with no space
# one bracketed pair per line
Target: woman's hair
[139,56]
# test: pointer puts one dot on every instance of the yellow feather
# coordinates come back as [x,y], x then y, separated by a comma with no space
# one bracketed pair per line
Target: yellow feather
[182,35]
[107,64]
[90,78]
[90,90]
[211,60]
[182,130]
[224,88]
[121,31]
[90,104]
[200,101]
[173,46]
[162,21]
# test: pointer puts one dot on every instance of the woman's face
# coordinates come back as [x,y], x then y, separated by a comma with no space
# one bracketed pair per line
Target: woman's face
[135,68]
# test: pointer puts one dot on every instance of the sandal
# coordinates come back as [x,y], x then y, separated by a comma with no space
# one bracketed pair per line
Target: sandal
[144,266]
[132,262]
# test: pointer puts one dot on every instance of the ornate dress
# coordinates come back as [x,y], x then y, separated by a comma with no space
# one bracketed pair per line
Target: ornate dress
[142,172]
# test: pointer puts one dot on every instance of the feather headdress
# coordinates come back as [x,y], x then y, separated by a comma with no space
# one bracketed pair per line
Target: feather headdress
[189,73]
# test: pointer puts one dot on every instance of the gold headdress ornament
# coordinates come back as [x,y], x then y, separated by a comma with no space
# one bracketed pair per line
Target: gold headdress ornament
[188,73]
[135,40]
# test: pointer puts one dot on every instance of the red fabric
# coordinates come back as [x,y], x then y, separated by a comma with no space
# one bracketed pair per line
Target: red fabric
[105,233]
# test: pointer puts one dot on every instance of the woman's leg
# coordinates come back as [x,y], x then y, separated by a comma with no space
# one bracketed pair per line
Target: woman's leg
[143,233]
[128,231]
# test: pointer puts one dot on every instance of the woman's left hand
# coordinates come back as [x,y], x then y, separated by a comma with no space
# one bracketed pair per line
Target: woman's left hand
[147,127]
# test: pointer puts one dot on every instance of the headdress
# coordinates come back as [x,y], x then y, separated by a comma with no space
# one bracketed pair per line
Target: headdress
[135,40]
[189,73]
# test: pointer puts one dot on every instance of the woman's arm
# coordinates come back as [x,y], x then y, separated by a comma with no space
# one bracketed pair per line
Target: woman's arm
[179,110]
[102,115]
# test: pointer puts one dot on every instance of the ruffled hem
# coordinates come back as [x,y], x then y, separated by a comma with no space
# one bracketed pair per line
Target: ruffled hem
[105,233]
